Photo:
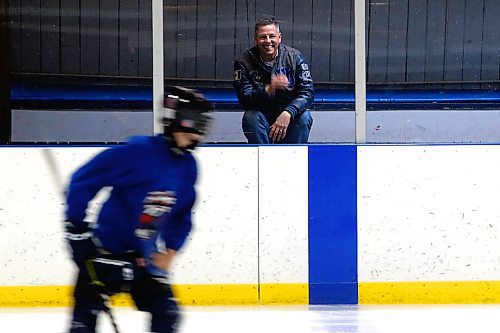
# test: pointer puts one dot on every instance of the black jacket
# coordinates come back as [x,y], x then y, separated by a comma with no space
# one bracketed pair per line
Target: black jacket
[251,76]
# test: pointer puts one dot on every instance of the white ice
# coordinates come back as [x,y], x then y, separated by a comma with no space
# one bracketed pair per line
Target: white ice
[291,319]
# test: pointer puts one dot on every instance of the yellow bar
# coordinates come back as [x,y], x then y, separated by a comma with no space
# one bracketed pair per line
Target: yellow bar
[217,294]
[446,292]
[284,293]
[203,294]
[31,296]
[437,292]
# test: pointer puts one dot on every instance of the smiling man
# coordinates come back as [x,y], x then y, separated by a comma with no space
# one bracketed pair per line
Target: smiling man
[274,87]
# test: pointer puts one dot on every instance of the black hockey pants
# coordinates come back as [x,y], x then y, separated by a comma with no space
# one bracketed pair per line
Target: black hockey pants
[150,294]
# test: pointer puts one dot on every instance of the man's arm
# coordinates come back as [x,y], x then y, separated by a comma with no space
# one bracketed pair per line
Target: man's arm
[301,102]
[161,250]
[177,225]
[84,185]
[304,87]
[105,169]
[250,97]
[175,228]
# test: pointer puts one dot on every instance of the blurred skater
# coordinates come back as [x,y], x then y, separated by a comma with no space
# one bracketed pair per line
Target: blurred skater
[145,220]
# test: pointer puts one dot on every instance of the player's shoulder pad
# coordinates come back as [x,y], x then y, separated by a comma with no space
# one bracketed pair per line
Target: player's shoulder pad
[140,140]
[140,144]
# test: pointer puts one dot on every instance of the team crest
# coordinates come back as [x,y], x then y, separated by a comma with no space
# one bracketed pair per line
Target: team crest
[237,75]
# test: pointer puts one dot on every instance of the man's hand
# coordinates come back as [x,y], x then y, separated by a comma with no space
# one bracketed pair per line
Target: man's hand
[279,81]
[80,238]
[278,129]
[163,260]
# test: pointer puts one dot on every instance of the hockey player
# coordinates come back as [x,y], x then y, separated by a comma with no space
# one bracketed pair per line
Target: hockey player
[144,221]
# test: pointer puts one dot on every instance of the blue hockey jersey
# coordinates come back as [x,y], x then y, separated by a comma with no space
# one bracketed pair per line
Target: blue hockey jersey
[144,167]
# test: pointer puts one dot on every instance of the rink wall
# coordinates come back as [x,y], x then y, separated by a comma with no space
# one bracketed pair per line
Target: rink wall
[315,224]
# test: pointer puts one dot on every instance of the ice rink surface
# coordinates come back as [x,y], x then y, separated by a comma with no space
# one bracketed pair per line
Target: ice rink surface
[281,319]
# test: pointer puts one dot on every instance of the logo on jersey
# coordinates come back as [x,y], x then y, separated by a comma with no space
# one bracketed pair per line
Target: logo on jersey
[256,76]
[237,75]
[288,72]
[156,204]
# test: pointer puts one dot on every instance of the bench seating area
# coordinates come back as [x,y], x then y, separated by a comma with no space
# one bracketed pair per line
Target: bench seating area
[73,96]
[112,113]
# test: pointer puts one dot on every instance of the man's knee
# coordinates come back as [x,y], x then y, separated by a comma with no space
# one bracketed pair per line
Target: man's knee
[299,128]
[253,119]
[304,121]
[255,127]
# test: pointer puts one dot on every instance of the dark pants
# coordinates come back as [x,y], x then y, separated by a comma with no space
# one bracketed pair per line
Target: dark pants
[149,294]
[256,128]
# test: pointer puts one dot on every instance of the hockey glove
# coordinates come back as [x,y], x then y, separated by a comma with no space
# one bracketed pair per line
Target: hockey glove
[80,238]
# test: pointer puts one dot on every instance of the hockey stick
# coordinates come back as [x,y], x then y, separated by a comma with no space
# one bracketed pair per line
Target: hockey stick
[55,173]
[53,166]
[102,292]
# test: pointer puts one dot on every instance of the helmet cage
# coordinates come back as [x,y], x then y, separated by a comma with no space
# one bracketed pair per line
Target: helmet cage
[186,111]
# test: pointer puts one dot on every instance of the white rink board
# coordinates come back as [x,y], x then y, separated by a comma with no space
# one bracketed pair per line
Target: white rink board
[222,248]
[283,214]
[428,213]
[425,213]
[31,214]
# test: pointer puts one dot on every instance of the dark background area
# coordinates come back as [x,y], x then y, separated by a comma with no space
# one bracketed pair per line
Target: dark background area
[449,43]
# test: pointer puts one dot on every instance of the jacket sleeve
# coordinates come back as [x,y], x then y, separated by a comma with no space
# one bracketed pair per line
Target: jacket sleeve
[249,96]
[304,88]
[178,227]
[109,168]
[178,224]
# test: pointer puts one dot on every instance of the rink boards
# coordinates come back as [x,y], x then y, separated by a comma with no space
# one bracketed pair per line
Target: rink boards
[318,224]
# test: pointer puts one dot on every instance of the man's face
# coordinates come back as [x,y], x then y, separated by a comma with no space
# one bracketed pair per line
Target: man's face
[186,140]
[267,39]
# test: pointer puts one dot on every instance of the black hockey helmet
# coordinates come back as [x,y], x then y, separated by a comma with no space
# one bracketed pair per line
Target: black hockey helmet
[186,110]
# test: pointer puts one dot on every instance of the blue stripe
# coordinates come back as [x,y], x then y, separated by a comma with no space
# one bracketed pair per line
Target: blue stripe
[332,225]
[99,95]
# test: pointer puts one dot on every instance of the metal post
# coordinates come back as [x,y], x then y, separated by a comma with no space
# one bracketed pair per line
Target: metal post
[158,75]
[5,112]
[360,70]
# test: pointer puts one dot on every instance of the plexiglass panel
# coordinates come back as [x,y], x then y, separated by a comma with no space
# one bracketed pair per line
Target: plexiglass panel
[432,66]
[433,71]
